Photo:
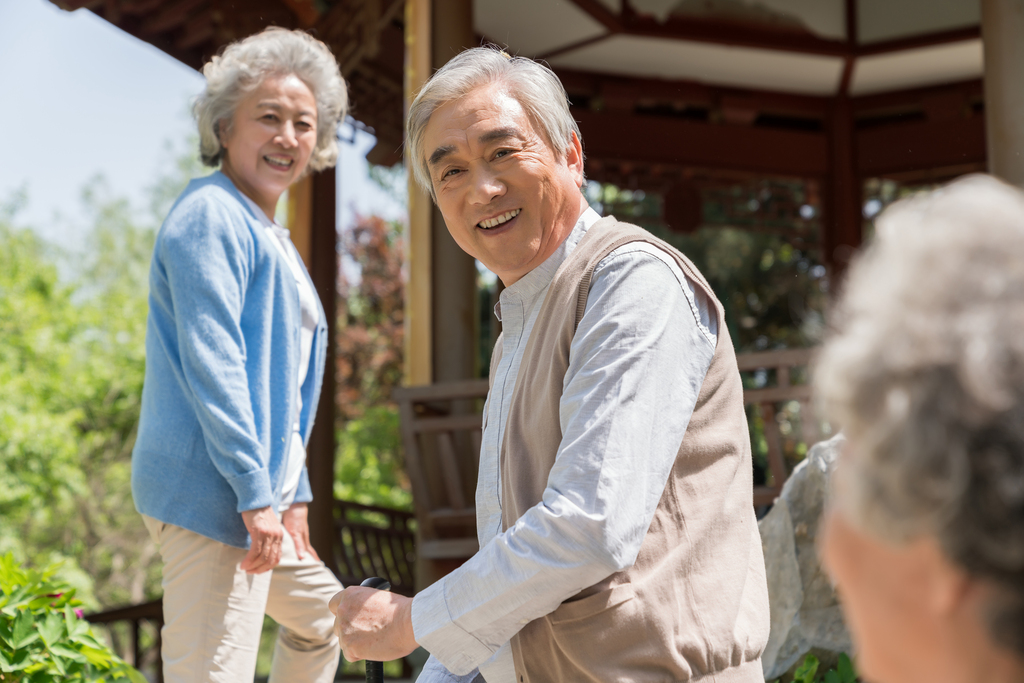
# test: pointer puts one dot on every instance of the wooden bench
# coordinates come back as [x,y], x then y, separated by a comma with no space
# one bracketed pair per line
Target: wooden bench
[441,430]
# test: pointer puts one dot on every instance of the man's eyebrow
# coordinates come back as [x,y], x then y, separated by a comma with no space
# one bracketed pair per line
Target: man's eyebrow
[490,136]
[440,153]
[500,134]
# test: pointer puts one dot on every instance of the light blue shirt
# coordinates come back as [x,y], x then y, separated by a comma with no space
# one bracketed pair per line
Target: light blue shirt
[638,360]
[222,354]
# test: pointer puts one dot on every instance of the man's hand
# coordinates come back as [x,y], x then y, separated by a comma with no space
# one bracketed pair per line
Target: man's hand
[266,532]
[295,521]
[373,624]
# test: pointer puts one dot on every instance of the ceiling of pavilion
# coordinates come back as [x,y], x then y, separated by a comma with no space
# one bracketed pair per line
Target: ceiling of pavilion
[762,62]
[795,46]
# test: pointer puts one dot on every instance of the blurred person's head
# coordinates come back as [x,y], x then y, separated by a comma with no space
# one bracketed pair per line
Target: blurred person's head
[925,374]
[492,139]
[270,111]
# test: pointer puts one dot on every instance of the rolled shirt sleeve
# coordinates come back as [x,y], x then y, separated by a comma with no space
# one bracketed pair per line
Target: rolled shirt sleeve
[638,360]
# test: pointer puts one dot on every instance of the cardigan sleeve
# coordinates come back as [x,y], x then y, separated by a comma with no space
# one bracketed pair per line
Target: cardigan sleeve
[207,255]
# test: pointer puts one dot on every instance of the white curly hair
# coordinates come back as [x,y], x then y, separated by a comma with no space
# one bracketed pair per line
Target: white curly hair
[243,65]
[924,371]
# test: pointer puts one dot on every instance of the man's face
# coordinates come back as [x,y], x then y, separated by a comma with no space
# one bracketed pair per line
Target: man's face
[507,198]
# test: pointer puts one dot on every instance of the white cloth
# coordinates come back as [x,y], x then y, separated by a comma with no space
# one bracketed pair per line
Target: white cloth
[310,315]
[638,360]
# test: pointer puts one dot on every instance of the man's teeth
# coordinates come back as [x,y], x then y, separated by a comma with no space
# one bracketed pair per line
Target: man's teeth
[498,220]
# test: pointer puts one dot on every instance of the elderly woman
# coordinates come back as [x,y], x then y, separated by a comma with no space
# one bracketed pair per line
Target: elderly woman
[925,373]
[235,350]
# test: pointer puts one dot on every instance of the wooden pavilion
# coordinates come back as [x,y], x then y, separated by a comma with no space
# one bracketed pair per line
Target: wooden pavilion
[668,93]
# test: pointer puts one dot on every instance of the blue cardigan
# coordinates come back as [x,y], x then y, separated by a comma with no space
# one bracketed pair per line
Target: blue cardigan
[222,355]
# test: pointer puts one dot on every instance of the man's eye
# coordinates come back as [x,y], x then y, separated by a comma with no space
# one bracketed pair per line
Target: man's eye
[502,153]
[450,172]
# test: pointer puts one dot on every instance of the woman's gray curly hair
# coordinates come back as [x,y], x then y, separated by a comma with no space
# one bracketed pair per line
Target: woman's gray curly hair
[243,65]
[925,374]
[531,83]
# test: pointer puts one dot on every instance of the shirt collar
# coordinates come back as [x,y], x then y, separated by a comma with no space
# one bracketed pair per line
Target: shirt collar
[534,282]
[264,219]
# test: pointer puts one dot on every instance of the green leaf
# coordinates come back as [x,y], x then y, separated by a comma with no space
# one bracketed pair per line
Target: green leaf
[58,663]
[21,659]
[806,671]
[76,627]
[133,675]
[70,653]
[831,676]
[847,674]
[51,629]
[88,640]
[23,633]
[97,656]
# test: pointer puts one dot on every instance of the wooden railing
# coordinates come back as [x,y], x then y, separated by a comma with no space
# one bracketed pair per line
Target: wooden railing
[782,408]
[375,541]
[135,616]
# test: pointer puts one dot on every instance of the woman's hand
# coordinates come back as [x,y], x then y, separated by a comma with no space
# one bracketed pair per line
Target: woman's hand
[266,532]
[296,523]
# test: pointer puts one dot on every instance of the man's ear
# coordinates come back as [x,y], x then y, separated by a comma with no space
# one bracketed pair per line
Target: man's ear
[574,159]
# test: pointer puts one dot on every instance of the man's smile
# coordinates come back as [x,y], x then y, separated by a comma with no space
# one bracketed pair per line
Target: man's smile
[500,219]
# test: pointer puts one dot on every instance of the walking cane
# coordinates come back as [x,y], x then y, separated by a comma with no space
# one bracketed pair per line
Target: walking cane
[375,670]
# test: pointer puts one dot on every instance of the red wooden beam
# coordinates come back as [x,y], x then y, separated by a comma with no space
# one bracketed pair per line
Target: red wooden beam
[676,142]
[920,145]
[924,40]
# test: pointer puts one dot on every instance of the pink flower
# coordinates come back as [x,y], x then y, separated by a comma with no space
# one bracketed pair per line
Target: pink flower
[78,613]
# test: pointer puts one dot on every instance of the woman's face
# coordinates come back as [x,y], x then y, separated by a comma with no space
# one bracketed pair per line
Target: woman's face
[905,605]
[269,139]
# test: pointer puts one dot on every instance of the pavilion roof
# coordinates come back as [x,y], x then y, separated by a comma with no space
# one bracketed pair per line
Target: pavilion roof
[778,62]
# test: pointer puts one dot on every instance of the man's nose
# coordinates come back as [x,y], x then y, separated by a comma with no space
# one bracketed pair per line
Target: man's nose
[486,186]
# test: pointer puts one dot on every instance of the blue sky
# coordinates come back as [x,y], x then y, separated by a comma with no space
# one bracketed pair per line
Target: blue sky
[79,97]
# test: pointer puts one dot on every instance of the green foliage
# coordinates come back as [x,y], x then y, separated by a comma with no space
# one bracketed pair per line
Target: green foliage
[807,671]
[72,358]
[369,467]
[43,637]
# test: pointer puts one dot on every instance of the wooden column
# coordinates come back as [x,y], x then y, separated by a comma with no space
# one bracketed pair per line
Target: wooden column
[842,190]
[454,302]
[320,453]
[418,238]
[1002,29]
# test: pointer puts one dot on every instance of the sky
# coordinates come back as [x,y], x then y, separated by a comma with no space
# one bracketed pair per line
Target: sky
[79,97]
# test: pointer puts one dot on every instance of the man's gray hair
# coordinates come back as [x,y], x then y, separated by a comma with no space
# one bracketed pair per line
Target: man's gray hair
[532,84]
[925,374]
[242,66]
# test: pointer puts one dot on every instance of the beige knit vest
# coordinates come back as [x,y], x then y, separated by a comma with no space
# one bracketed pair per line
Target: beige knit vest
[694,606]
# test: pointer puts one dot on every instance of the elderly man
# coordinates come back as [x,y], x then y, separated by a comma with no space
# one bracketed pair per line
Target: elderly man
[617,535]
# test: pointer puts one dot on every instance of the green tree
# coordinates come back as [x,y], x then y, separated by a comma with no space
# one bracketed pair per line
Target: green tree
[370,469]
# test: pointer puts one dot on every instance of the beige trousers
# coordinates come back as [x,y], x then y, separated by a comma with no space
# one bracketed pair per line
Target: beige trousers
[213,612]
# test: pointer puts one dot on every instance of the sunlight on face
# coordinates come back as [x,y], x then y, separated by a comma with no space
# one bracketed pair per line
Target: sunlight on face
[507,197]
[269,139]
